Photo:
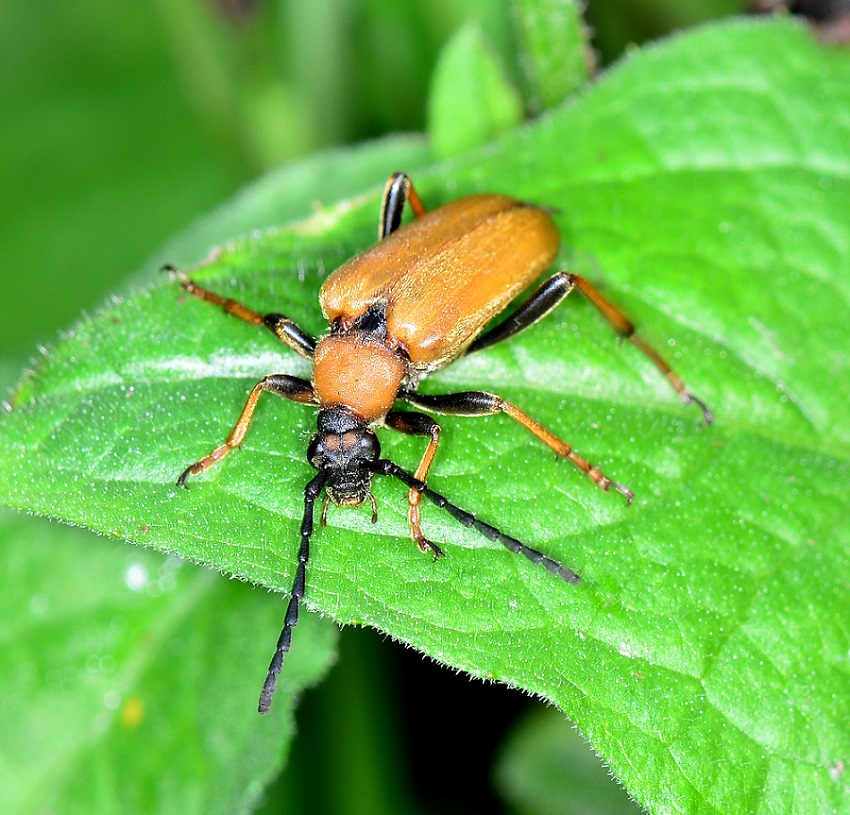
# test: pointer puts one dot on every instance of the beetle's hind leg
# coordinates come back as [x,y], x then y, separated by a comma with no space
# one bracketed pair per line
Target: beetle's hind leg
[551,294]
[480,403]
[398,192]
[418,424]
[286,330]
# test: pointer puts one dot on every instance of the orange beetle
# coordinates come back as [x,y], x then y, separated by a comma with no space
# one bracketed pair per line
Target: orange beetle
[408,306]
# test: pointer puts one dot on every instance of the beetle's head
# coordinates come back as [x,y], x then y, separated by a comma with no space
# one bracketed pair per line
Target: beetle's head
[344,448]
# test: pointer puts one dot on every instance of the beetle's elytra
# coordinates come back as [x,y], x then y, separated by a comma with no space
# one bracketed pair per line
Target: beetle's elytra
[408,306]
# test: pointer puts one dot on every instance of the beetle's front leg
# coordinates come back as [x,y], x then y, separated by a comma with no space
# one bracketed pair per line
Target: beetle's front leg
[289,387]
[418,424]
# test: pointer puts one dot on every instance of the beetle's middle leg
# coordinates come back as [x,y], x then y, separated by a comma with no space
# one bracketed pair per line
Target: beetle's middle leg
[551,294]
[418,424]
[480,403]
[286,330]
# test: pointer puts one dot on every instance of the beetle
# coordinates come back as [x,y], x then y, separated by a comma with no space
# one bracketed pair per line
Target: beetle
[418,299]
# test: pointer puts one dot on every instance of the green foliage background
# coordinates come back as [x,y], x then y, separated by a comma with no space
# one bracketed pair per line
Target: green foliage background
[705,655]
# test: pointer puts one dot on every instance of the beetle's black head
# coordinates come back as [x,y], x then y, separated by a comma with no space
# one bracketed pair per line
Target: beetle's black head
[344,448]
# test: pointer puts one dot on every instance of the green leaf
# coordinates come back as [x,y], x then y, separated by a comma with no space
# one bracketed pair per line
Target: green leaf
[553,49]
[705,185]
[472,100]
[128,683]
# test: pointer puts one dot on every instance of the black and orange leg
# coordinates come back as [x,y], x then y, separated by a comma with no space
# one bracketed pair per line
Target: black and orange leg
[551,294]
[280,325]
[418,424]
[289,387]
[480,403]
[398,192]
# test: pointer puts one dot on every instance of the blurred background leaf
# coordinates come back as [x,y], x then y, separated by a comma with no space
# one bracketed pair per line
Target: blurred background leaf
[543,757]
[121,124]
[472,101]
[124,677]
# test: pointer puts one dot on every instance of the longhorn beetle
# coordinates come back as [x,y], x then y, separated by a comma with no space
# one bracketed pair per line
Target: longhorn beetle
[408,306]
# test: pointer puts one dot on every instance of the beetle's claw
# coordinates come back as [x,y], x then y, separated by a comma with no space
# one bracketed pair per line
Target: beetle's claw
[426,545]
[623,490]
[708,416]
[688,398]
[174,273]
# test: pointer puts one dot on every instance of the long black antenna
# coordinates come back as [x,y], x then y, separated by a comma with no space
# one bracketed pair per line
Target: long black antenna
[386,467]
[284,643]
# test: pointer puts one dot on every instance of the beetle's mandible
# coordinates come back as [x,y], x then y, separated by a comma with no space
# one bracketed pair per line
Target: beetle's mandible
[418,299]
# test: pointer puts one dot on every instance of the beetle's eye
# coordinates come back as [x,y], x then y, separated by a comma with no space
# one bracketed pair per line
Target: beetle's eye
[316,451]
[370,446]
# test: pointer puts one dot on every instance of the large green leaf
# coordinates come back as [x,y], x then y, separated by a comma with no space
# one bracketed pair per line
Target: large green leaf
[705,183]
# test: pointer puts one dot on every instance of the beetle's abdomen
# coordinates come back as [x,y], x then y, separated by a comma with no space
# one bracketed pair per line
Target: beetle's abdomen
[359,373]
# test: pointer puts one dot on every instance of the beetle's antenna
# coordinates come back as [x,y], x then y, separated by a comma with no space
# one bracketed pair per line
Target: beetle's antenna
[311,492]
[387,467]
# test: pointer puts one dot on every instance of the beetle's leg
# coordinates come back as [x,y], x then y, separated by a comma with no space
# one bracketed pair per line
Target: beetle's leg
[625,328]
[280,325]
[550,294]
[479,403]
[311,493]
[387,467]
[399,190]
[418,424]
[289,387]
